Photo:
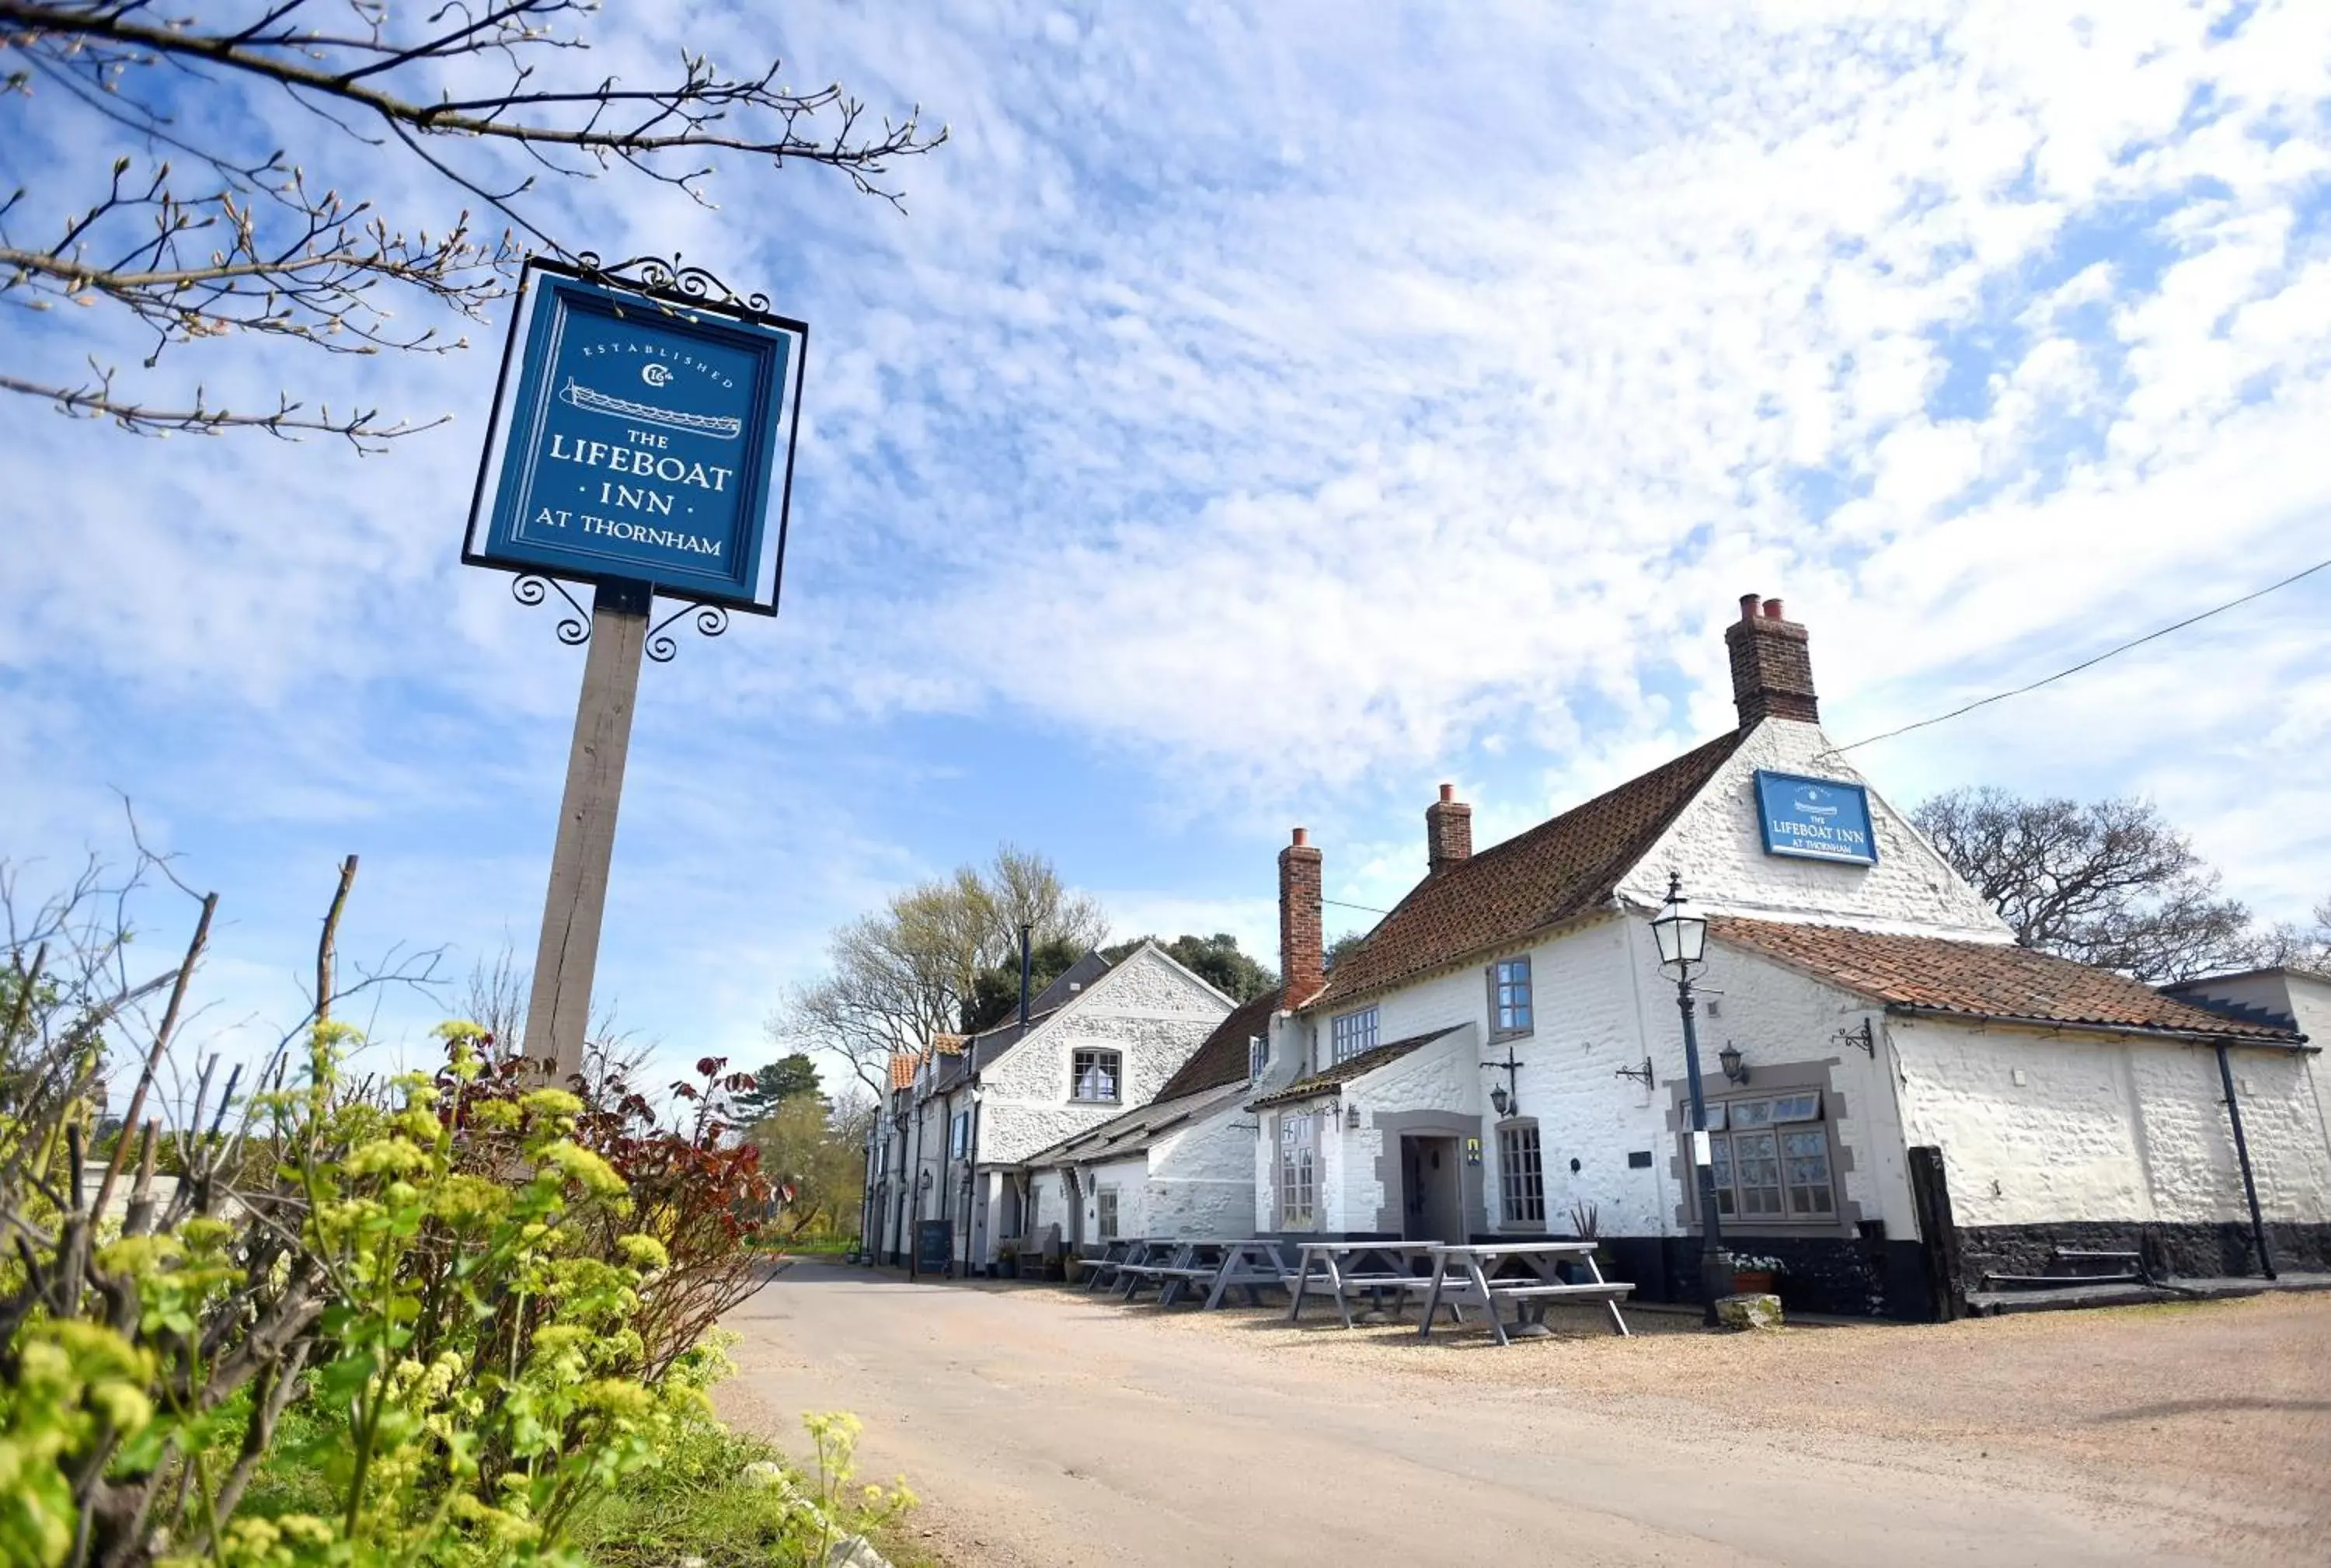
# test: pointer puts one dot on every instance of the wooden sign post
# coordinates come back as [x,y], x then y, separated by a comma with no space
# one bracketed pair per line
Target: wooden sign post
[558,1013]
[638,451]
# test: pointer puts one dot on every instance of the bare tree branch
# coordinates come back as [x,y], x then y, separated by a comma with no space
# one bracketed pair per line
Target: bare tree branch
[247,245]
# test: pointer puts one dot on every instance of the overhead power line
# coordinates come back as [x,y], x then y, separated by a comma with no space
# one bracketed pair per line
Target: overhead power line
[2086,663]
[1340,904]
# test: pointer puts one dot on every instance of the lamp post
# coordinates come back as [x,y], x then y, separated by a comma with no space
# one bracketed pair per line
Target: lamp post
[1682,941]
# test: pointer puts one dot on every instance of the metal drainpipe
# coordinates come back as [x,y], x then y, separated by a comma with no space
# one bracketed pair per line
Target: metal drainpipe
[911,1240]
[2243,1154]
[1027,933]
[971,1163]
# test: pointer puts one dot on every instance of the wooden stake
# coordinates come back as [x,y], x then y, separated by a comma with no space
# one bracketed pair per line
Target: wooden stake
[560,1011]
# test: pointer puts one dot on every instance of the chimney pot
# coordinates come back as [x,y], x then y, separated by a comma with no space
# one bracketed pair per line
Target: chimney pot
[1448,831]
[1772,672]
[1303,935]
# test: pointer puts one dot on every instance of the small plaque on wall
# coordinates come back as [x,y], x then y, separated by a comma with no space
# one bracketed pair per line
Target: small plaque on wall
[1639,1159]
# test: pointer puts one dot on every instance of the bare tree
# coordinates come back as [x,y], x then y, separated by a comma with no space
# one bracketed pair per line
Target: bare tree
[205,230]
[2106,882]
[2287,945]
[899,976]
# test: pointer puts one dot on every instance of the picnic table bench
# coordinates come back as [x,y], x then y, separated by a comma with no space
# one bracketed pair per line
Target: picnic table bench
[1376,1269]
[1103,1268]
[1483,1274]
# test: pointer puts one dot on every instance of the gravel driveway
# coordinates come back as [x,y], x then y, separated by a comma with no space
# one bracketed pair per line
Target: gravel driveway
[1045,1427]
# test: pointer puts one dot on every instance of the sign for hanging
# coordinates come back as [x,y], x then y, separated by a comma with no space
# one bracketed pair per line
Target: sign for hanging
[639,440]
[1815,818]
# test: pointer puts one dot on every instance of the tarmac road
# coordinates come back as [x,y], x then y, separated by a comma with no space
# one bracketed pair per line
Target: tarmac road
[1045,1427]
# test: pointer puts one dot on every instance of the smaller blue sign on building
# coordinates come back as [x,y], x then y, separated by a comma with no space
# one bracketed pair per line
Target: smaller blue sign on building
[1815,818]
[647,436]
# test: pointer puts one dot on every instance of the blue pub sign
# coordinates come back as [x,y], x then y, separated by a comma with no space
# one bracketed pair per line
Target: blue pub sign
[1815,818]
[640,443]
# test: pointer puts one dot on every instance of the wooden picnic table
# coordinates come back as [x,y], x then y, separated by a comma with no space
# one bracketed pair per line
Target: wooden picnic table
[1113,1255]
[1523,1272]
[1375,1266]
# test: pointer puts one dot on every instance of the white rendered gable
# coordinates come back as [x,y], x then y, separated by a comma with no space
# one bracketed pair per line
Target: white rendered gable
[1149,1009]
[1717,846]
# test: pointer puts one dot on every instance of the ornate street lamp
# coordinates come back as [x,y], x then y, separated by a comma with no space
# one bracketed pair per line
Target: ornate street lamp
[1682,939]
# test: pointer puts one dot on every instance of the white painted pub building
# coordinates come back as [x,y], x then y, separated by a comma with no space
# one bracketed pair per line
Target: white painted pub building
[1901,1101]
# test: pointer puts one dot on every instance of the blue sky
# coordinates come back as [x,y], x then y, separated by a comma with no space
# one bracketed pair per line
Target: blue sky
[1259,416]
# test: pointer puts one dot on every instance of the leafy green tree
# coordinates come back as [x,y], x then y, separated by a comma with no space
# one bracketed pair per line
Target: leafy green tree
[1217,959]
[817,1158]
[789,1077]
[995,991]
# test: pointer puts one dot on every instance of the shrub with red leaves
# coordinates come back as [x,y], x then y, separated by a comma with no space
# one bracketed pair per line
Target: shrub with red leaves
[693,1186]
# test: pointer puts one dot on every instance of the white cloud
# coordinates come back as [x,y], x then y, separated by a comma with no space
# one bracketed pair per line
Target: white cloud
[1307,404]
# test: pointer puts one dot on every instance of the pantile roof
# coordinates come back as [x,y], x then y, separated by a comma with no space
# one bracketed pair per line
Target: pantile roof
[1556,871]
[1982,980]
[1222,1058]
[1350,1068]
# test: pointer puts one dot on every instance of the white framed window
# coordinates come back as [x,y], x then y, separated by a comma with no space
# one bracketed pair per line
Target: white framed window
[1521,1176]
[959,1136]
[1299,1172]
[1351,1033]
[1093,1075]
[1512,1009]
[1105,1207]
[1258,1056]
[1770,1159]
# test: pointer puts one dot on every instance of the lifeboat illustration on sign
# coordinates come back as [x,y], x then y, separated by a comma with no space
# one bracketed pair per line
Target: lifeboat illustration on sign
[720,427]
[1814,802]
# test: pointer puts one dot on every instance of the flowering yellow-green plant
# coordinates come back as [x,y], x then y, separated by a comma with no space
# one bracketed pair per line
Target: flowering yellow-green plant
[463,1346]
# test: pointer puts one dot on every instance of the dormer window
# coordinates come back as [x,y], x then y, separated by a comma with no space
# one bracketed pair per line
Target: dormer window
[1351,1033]
[1512,1010]
[1093,1076]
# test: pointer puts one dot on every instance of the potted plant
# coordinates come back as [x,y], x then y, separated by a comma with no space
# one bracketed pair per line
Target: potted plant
[1587,1224]
[1755,1276]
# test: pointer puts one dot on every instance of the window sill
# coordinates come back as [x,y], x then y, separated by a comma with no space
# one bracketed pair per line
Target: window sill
[1500,1036]
[1082,1100]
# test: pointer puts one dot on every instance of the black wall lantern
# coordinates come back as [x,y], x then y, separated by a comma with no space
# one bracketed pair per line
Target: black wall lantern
[1734,1067]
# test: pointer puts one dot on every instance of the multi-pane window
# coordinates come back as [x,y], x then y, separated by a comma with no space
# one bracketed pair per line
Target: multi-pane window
[1258,1056]
[1521,1174]
[1093,1075]
[1298,1172]
[1104,1202]
[1511,1013]
[1351,1033]
[1770,1158]
[959,1136]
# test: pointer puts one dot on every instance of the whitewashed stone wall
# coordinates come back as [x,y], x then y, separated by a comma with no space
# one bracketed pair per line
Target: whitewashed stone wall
[1718,847]
[1130,1178]
[2109,1127]
[1148,1008]
[1443,1076]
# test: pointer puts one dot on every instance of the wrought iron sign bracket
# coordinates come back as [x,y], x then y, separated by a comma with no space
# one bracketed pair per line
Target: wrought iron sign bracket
[575,627]
[1865,1038]
[1641,1075]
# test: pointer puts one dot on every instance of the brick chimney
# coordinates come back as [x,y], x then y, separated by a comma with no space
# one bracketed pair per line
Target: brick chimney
[1448,831]
[1302,940]
[1771,673]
